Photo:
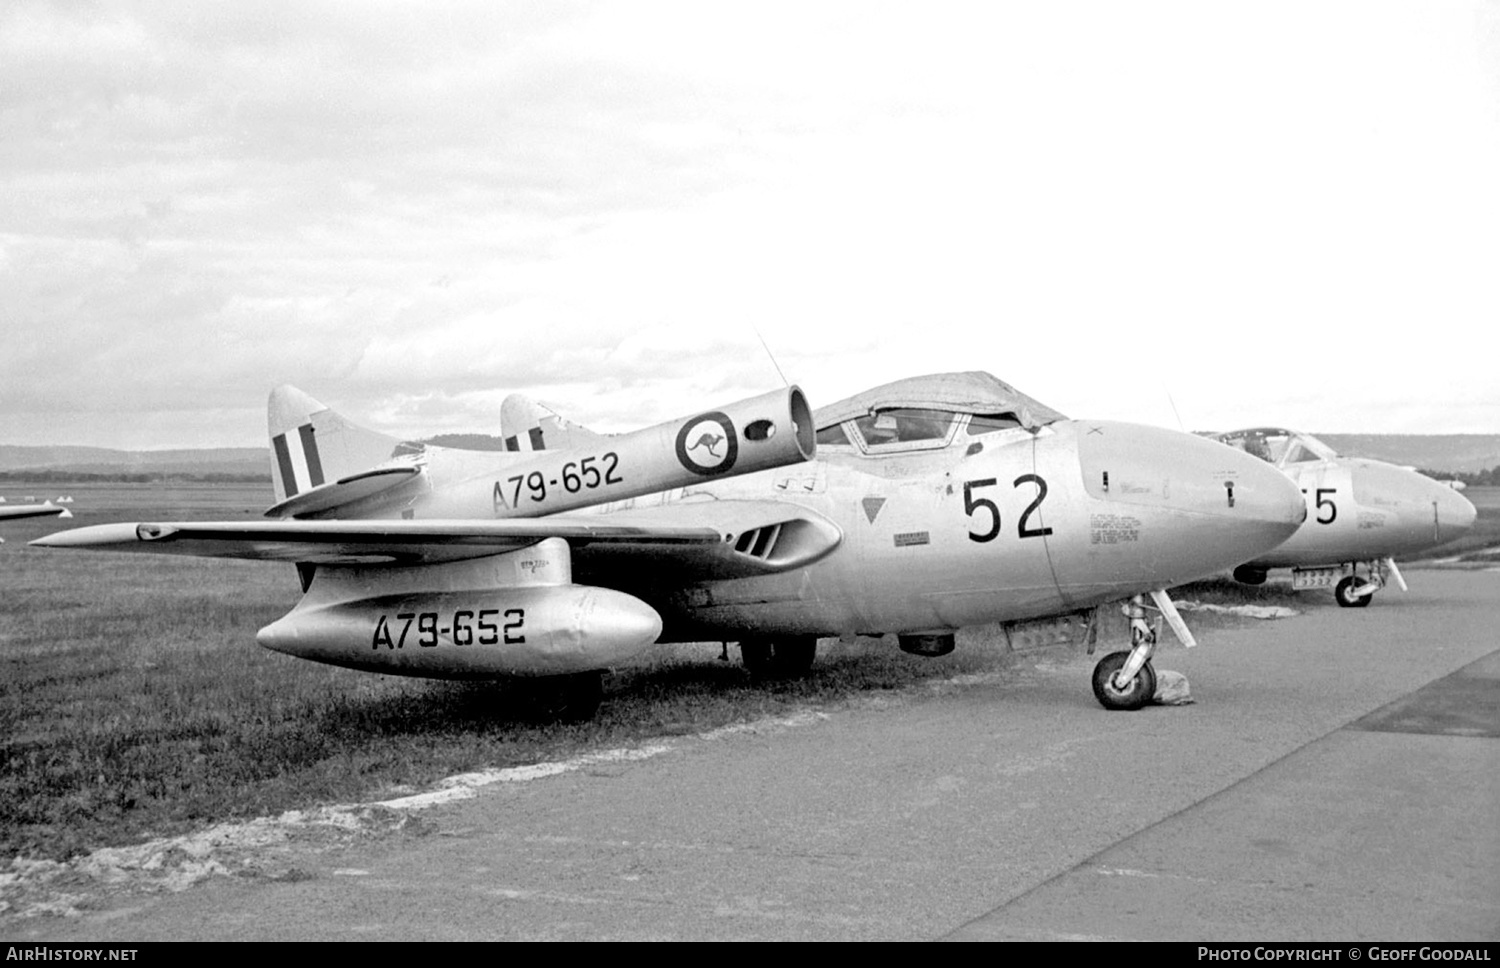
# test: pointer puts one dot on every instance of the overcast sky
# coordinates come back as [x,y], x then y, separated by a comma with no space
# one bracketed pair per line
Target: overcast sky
[1283,213]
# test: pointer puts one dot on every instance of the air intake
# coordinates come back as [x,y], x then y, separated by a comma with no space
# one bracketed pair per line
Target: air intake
[759,543]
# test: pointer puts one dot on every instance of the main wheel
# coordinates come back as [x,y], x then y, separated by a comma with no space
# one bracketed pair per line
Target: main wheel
[784,658]
[572,698]
[1343,593]
[1140,691]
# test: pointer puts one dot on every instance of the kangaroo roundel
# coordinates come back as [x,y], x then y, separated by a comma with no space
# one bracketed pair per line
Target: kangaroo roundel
[707,444]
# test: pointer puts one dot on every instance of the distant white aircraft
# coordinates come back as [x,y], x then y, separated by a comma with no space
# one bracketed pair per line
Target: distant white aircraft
[916,508]
[10,512]
[14,512]
[1361,514]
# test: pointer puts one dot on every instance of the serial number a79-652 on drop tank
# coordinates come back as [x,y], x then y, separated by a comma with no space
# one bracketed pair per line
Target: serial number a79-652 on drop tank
[486,626]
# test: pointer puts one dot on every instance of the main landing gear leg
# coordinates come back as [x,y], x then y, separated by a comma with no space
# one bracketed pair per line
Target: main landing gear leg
[787,657]
[1126,680]
[571,698]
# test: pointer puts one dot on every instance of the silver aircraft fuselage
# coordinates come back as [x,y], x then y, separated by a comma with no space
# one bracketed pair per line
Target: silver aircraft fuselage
[1357,509]
[984,527]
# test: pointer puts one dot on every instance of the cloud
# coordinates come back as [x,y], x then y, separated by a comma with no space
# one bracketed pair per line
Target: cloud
[411,211]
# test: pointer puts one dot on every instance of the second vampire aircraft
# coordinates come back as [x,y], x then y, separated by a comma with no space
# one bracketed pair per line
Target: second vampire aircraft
[917,508]
[1361,514]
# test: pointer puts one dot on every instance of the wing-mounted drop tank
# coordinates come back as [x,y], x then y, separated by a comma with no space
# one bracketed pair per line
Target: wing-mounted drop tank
[515,614]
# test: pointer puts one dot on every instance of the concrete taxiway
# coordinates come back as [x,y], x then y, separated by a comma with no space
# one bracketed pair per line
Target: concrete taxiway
[1337,779]
[1386,829]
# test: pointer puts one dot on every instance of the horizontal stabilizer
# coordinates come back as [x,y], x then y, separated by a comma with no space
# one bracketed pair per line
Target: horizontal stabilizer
[346,490]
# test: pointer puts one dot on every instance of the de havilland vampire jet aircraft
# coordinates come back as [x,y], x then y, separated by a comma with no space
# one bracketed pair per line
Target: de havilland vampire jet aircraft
[916,508]
[1361,514]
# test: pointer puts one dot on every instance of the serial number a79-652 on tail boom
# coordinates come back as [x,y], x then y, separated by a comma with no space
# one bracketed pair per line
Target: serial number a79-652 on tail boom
[916,508]
[322,467]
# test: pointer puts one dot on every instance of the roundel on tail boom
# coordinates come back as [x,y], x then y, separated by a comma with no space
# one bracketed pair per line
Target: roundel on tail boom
[765,431]
[707,444]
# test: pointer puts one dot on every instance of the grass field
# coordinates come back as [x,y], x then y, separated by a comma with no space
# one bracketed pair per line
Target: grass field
[134,702]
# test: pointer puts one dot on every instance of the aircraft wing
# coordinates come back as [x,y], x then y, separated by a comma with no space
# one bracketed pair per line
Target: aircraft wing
[695,540]
[14,511]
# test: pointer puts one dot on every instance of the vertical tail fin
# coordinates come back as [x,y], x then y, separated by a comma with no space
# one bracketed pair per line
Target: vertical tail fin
[311,445]
[528,425]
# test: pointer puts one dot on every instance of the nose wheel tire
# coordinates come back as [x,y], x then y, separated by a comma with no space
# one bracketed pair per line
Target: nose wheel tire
[1137,694]
[1343,593]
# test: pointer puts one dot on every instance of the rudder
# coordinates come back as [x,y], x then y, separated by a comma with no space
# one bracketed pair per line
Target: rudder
[312,445]
[528,425]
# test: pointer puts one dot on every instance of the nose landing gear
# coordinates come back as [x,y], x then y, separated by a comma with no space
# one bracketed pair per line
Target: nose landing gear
[1353,592]
[1356,592]
[1137,689]
[1126,680]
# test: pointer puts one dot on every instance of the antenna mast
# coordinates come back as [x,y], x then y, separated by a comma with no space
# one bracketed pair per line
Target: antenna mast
[763,346]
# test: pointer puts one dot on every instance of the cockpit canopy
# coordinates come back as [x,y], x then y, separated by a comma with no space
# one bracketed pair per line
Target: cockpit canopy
[1275,445]
[926,412]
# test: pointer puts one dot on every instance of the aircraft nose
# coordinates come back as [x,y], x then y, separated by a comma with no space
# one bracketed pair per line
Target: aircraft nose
[1453,514]
[1415,511]
[1208,506]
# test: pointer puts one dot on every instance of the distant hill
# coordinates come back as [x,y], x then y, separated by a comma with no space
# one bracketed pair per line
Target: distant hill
[231,461]
[209,463]
[1456,453]
[487,442]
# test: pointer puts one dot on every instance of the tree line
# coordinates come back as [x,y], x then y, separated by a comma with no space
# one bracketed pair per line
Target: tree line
[141,477]
[1485,478]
